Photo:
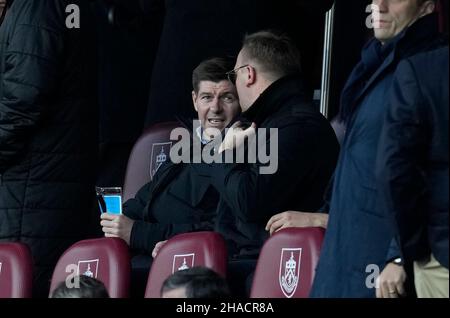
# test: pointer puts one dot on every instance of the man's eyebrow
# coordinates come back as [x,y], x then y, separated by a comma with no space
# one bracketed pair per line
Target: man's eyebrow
[228,93]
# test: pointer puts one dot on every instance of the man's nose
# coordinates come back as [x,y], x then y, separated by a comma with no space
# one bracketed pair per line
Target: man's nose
[382,5]
[216,106]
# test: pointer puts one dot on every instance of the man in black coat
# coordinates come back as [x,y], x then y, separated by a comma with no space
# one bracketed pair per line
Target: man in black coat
[272,97]
[177,200]
[47,128]
[412,168]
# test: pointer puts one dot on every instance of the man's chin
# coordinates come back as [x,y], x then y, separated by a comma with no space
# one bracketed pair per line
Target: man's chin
[213,131]
[383,36]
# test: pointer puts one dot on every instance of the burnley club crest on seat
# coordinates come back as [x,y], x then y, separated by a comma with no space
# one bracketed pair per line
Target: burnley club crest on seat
[88,268]
[160,154]
[290,270]
[181,262]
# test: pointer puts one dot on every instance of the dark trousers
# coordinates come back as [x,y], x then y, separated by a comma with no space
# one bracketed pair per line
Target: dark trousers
[140,268]
[240,276]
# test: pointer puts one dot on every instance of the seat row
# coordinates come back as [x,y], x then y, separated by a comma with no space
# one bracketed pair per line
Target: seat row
[285,267]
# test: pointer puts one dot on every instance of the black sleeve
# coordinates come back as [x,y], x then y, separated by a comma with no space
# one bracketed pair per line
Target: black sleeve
[255,196]
[402,148]
[32,59]
[134,208]
[145,235]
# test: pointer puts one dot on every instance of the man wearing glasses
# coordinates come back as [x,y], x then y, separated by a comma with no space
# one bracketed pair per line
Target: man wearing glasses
[271,94]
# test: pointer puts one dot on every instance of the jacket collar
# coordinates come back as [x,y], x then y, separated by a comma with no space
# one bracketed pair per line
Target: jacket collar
[420,35]
[273,99]
[407,42]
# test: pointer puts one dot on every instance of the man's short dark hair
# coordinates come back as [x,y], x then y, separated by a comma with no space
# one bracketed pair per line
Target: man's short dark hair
[214,70]
[275,53]
[89,288]
[199,282]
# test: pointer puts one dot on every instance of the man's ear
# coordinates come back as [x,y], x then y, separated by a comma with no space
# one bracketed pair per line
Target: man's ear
[194,100]
[427,7]
[251,76]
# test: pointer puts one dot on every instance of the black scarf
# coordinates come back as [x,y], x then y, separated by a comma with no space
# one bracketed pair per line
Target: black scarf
[274,98]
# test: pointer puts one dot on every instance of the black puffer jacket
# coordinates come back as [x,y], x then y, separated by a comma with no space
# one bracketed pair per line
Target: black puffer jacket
[47,128]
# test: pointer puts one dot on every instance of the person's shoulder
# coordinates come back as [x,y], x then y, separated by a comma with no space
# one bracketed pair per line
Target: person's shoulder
[425,65]
[434,56]
[41,14]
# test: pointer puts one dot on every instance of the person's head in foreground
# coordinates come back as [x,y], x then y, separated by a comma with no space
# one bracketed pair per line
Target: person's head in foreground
[87,287]
[195,282]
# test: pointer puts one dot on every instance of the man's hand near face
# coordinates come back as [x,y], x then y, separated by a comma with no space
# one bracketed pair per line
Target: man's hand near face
[236,136]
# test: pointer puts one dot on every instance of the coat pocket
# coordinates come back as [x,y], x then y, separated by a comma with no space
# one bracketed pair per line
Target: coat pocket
[367,200]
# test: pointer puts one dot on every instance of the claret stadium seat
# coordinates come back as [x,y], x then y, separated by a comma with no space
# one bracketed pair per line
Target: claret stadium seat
[287,262]
[185,251]
[106,259]
[149,152]
[16,271]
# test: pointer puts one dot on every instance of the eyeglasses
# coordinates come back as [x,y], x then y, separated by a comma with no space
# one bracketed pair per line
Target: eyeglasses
[232,74]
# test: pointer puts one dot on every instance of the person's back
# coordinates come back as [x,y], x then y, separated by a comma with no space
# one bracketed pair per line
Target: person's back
[48,127]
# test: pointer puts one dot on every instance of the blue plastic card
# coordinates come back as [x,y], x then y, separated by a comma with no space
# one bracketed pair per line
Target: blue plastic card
[109,199]
[111,204]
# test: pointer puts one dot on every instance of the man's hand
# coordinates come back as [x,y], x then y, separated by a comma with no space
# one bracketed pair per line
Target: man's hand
[236,136]
[157,248]
[117,226]
[391,282]
[296,219]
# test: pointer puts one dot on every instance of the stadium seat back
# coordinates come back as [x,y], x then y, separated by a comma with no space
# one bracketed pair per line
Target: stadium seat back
[185,251]
[149,152]
[16,271]
[287,263]
[106,259]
